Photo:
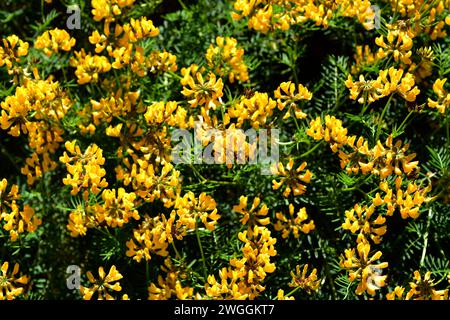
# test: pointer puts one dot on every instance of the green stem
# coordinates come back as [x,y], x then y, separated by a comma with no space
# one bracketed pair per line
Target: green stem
[292,292]
[406,119]
[425,238]
[311,150]
[182,5]
[364,108]
[382,116]
[177,254]
[201,252]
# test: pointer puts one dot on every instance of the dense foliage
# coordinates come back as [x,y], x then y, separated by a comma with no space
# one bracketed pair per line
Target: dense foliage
[355,207]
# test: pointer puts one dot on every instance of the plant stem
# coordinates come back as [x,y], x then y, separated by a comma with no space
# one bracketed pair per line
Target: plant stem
[382,116]
[177,254]
[425,238]
[201,252]
[311,150]
[292,292]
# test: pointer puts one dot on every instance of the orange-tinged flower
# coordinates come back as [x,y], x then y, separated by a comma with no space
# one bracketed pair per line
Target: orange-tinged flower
[11,286]
[103,285]
[362,267]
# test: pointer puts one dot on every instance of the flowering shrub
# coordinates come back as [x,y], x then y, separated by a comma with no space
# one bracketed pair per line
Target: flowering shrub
[353,202]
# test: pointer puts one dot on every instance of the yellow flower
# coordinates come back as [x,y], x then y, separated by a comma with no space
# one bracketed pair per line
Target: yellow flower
[11,51]
[255,110]
[363,224]
[281,296]
[169,113]
[10,286]
[156,62]
[286,96]
[300,279]
[80,219]
[388,82]
[443,100]
[54,40]
[17,221]
[227,288]
[423,288]
[398,45]
[171,285]
[107,9]
[254,215]
[333,132]
[408,201]
[103,286]
[362,267]
[255,263]
[84,169]
[226,59]
[365,91]
[140,29]
[89,67]
[294,223]
[291,178]
[189,209]
[399,82]
[396,294]
[203,92]
[116,209]
[244,278]
[152,182]
[152,237]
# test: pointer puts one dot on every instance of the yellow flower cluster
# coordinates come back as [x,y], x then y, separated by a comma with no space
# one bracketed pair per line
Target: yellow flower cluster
[36,109]
[295,223]
[359,220]
[104,285]
[407,201]
[252,216]
[152,237]
[84,169]
[152,182]
[11,286]
[171,285]
[16,220]
[265,15]
[422,17]
[155,234]
[389,81]
[291,178]
[166,113]
[286,96]
[190,209]
[80,219]
[117,208]
[381,160]
[201,92]
[362,267]
[54,40]
[11,50]
[108,9]
[155,62]
[256,110]
[89,67]
[301,279]
[398,44]
[244,278]
[443,97]
[421,288]
[226,59]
